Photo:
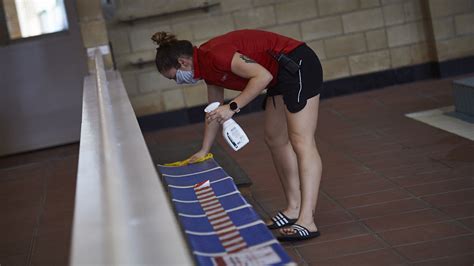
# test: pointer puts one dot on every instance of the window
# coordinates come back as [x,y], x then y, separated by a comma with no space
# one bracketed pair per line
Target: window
[27,18]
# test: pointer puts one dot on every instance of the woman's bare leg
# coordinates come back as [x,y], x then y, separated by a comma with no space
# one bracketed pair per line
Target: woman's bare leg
[301,132]
[284,157]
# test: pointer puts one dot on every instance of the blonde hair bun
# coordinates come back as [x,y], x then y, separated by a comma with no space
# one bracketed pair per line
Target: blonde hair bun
[163,38]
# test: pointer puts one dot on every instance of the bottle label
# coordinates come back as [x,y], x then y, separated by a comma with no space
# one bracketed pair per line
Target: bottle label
[234,135]
[231,140]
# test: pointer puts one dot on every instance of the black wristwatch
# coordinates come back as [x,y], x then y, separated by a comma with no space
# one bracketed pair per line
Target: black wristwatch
[234,107]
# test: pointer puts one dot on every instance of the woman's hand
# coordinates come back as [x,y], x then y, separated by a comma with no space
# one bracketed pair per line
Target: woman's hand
[198,155]
[220,115]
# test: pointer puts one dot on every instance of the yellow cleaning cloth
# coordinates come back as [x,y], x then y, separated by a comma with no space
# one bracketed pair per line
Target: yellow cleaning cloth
[186,162]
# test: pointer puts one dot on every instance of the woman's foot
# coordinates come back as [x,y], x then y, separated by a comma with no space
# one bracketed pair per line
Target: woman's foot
[310,226]
[282,219]
[297,232]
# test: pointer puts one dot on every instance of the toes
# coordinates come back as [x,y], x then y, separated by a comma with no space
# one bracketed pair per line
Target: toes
[287,231]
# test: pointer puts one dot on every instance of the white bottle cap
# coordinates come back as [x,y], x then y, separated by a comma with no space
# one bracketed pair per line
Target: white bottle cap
[211,107]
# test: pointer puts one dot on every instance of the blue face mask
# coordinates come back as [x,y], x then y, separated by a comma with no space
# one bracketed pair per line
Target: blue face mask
[185,77]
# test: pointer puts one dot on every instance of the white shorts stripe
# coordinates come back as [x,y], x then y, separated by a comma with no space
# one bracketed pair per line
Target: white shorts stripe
[301,83]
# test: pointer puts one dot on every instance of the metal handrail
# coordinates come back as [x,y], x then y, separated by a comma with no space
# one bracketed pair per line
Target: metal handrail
[122,214]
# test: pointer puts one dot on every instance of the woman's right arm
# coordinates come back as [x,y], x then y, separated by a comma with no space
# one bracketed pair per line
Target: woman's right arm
[214,94]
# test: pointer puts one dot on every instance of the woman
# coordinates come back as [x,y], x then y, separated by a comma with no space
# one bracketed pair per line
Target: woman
[251,61]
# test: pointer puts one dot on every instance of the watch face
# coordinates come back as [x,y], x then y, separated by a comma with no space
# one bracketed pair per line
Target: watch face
[233,106]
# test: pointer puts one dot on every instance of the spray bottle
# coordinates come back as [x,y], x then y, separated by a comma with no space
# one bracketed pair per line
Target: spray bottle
[231,131]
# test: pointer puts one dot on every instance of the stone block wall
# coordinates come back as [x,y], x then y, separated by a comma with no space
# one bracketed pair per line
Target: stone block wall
[11,17]
[351,37]
[453,28]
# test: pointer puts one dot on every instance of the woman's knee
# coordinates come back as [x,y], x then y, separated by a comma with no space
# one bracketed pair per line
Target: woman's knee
[302,143]
[276,139]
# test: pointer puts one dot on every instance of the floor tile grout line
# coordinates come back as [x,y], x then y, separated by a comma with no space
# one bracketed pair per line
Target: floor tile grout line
[325,211]
[379,203]
[409,151]
[329,241]
[394,213]
[360,194]
[341,223]
[435,240]
[299,255]
[456,204]
[427,183]
[463,225]
[386,243]
[467,217]
[29,164]
[447,192]
[441,162]
[414,226]
[19,166]
[39,216]
[350,254]
[445,257]
[439,181]
[401,167]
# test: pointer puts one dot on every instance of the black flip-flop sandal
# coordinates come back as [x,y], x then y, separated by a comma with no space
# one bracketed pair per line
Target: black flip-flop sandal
[301,233]
[280,220]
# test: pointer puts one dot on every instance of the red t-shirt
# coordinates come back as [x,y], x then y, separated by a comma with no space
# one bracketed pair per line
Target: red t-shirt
[212,60]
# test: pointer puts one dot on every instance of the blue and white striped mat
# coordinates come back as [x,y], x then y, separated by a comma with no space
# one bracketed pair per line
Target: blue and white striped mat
[221,226]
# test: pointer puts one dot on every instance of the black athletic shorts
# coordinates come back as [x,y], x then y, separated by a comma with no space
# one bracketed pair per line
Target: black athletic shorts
[298,87]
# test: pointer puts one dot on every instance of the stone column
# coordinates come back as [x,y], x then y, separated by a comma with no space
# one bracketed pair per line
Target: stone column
[93,28]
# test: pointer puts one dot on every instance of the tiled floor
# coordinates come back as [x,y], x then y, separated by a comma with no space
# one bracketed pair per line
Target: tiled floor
[394,190]
[36,206]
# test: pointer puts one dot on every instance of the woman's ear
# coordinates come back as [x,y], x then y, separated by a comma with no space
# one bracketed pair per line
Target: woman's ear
[185,62]
[182,61]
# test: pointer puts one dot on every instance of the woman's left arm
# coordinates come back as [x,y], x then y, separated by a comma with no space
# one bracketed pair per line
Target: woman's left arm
[258,76]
